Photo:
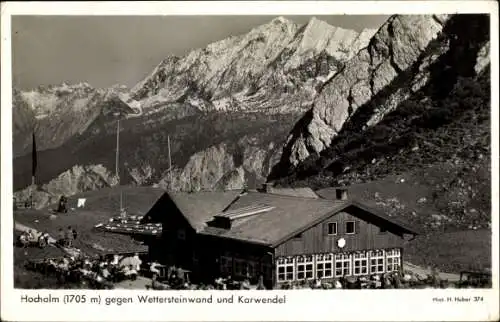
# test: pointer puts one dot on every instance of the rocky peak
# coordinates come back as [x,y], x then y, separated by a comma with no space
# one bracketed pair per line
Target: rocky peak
[391,51]
[281,20]
[253,71]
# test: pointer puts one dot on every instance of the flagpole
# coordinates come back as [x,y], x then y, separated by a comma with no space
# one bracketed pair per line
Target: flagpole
[118,163]
[169,163]
[34,164]
[32,190]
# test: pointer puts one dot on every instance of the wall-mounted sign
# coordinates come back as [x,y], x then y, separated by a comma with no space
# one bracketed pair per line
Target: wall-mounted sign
[341,243]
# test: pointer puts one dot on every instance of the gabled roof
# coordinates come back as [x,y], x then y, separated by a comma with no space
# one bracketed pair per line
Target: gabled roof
[200,207]
[330,194]
[288,217]
[404,226]
[295,192]
[288,214]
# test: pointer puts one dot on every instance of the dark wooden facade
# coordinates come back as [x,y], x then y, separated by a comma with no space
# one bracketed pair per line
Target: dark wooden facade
[208,256]
[182,246]
[176,246]
[370,233]
[255,260]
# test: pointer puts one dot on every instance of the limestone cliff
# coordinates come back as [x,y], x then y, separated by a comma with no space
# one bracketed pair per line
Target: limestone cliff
[395,47]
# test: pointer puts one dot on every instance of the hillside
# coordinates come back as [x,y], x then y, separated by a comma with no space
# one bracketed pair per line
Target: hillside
[437,138]
[226,107]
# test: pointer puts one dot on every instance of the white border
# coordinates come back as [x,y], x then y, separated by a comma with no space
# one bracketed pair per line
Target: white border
[414,305]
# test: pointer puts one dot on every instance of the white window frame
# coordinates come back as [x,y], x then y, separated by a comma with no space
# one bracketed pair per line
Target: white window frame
[379,257]
[288,265]
[343,259]
[393,260]
[336,228]
[360,261]
[353,227]
[305,265]
[322,261]
[226,265]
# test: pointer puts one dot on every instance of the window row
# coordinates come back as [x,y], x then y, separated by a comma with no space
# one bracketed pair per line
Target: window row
[337,265]
[350,228]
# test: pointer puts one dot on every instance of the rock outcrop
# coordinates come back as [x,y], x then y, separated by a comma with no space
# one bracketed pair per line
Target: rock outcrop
[224,167]
[75,180]
[395,47]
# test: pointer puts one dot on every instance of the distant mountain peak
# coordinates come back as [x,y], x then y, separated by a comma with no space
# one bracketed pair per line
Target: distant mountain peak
[315,21]
[253,71]
[282,20]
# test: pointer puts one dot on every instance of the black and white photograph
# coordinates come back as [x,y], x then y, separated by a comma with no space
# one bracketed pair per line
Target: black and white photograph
[251,152]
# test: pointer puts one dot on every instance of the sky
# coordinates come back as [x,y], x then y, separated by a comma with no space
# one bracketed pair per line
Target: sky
[109,50]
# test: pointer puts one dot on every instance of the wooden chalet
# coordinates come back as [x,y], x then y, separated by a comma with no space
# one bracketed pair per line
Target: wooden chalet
[283,236]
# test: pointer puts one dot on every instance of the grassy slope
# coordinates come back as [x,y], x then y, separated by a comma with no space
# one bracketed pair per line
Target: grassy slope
[452,251]
[100,205]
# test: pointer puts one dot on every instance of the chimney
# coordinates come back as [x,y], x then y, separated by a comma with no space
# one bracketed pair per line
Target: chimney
[342,193]
[267,187]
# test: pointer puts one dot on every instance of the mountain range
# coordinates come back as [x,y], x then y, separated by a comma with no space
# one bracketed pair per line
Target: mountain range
[226,107]
[306,104]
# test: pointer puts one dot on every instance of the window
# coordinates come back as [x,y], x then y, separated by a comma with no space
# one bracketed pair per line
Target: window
[226,265]
[349,227]
[324,266]
[393,259]
[342,265]
[244,268]
[382,230]
[332,228]
[305,267]
[360,263]
[285,269]
[376,261]
[181,234]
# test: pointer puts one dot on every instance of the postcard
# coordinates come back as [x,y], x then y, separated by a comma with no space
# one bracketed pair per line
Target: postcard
[250,161]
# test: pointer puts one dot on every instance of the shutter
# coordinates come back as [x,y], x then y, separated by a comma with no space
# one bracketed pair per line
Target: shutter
[356,227]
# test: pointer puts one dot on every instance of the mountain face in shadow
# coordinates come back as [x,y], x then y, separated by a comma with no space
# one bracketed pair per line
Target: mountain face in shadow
[428,124]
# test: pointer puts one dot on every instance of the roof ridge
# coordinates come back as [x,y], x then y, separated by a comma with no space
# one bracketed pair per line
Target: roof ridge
[292,197]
